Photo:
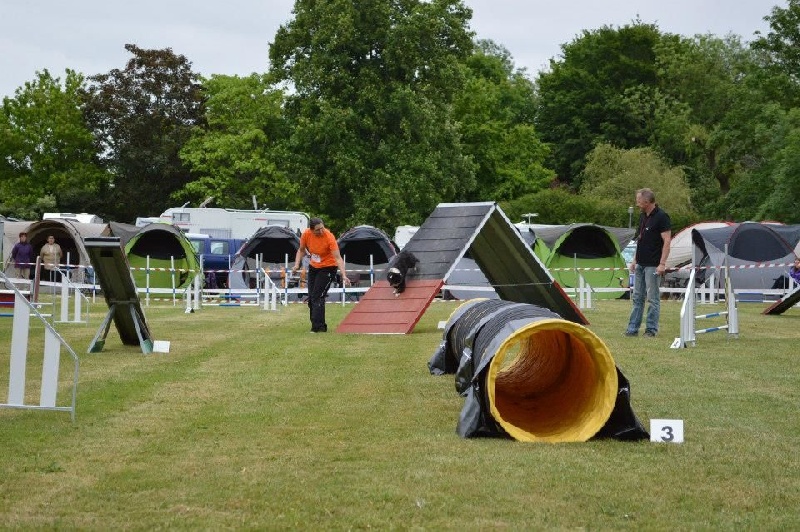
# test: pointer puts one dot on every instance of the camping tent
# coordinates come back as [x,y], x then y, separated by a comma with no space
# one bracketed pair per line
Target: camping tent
[681,246]
[748,244]
[366,250]
[11,231]
[594,249]
[275,245]
[166,247]
[69,235]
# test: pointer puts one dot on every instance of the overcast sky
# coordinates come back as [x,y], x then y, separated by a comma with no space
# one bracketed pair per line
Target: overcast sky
[232,37]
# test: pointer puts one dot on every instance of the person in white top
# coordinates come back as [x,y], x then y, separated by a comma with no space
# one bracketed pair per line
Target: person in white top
[51,258]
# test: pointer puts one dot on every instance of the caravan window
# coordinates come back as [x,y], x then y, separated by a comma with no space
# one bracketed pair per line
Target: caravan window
[180,217]
[282,223]
[219,248]
[196,246]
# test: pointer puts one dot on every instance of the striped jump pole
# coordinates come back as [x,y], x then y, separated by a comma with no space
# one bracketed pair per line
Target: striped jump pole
[688,317]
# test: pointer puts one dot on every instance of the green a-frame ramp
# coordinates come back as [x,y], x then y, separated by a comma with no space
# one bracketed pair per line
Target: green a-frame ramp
[114,275]
[451,230]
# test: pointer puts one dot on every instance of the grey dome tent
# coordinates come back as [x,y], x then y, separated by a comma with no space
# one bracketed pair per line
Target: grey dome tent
[749,244]
[69,235]
[362,244]
[275,245]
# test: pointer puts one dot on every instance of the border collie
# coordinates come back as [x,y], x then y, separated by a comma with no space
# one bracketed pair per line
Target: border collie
[398,269]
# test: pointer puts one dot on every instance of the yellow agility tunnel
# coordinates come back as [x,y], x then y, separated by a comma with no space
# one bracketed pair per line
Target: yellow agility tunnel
[530,375]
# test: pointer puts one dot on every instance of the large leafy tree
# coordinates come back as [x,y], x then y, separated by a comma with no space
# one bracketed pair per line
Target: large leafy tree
[47,157]
[711,77]
[235,156]
[141,117]
[615,175]
[372,83]
[783,183]
[496,110]
[583,98]
[780,47]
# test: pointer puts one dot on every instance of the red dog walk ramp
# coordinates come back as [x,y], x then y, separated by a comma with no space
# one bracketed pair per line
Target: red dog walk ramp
[381,312]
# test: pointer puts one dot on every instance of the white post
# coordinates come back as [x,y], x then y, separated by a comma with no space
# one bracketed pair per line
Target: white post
[147,281]
[730,300]
[259,280]
[19,351]
[172,279]
[344,260]
[584,293]
[688,311]
[286,278]
[64,297]
[77,304]
[371,270]
[50,363]
[733,311]
[198,290]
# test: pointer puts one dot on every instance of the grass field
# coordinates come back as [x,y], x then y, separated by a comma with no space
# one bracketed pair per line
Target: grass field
[251,422]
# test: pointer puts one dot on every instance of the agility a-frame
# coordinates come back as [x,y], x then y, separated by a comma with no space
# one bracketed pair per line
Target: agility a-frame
[452,230]
[114,275]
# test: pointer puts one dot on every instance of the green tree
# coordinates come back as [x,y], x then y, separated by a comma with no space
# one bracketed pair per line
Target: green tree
[615,175]
[772,192]
[781,52]
[563,206]
[47,156]
[235,155]
[372,138]
[582,99]
[141,117]
[711,78]
[496,110]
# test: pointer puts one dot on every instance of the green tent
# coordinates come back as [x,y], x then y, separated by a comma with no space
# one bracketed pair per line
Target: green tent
[167,247]
[592,249]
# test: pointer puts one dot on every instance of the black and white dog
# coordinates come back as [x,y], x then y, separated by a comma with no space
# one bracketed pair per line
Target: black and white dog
[398,269]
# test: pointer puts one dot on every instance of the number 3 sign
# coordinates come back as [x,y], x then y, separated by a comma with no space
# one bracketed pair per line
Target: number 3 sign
[666,430]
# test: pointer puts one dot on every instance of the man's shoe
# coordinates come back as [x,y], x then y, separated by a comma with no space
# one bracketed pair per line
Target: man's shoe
[650,334]
[631,333]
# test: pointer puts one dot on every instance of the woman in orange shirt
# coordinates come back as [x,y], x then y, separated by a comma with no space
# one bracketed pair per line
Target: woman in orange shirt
[320,245]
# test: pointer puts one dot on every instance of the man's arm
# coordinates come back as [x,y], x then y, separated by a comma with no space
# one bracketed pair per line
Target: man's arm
[666,236]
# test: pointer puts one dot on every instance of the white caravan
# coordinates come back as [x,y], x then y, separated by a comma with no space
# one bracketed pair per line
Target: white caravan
[231,223]
[84,218]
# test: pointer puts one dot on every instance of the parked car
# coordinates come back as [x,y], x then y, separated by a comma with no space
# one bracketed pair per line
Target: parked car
[629,252]
[217,255]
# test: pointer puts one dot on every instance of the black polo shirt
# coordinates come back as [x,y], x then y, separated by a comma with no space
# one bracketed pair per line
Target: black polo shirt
[648,238]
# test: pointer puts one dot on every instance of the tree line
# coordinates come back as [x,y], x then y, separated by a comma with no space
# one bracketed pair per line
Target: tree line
[375,112]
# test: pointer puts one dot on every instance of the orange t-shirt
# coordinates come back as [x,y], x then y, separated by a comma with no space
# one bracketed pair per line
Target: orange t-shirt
[320,247]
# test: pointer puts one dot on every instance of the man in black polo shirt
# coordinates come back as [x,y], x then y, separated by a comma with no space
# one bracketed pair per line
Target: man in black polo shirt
[649,263]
